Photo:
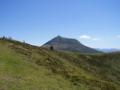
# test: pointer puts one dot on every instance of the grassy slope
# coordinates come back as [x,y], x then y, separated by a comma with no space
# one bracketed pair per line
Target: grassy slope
[25,67]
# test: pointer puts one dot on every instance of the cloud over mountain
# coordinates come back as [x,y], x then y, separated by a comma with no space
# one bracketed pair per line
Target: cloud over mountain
[87,37]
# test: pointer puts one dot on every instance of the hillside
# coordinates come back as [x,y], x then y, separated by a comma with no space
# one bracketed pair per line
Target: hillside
[68,44]
[27,67]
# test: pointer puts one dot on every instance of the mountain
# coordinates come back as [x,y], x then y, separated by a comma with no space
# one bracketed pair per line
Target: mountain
[109,50]
[67,44]
[27,67]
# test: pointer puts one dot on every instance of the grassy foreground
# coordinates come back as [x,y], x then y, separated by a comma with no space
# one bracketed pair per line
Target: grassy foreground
[26,67]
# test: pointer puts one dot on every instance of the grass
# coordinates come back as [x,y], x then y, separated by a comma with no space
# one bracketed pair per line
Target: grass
[27,67]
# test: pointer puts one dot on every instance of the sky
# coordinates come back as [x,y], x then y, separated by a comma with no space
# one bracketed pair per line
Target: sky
[95,23]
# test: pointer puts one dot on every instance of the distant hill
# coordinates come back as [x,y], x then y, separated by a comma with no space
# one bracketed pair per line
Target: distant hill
[67,44]
[108,50]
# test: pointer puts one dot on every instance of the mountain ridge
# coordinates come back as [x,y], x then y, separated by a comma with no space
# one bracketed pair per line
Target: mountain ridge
[108,50]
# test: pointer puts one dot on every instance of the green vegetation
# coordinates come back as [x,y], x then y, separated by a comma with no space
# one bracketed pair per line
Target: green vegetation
[27,67]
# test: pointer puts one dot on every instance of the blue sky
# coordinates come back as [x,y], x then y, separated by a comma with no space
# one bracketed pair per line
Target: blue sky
[96,23]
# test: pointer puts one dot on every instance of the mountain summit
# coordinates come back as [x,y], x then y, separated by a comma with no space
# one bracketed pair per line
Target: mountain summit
[68,44]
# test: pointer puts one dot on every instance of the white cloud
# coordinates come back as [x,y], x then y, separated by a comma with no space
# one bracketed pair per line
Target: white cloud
[118,36]
[96,39]
[87,37]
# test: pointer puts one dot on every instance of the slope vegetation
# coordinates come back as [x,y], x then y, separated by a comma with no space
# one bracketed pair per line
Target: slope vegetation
[27,67]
